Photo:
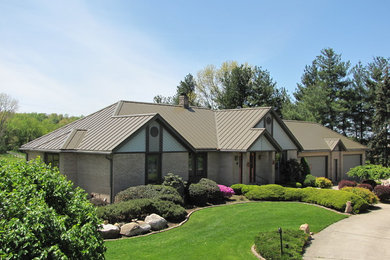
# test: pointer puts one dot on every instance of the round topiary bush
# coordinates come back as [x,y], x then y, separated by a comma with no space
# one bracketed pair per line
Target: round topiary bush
[346,183]
[42,216]
[310,181]
[323,183]
[197,194]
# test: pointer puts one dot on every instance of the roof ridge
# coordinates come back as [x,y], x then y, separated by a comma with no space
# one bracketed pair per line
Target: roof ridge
[162,104]
[241,109]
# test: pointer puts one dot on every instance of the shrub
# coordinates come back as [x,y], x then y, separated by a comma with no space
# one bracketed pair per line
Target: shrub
[214,195]
[268,244]
[197,194]
[266,192]
[346,183]
[176,182]
[335,199]
[305,166]
[366,186]
[227,192]
[157,192]
[98,202]
[370,172]
[365,194]
[237,188]
[125,211]
[383,192]
[310,181]
[323,183]
[248,188]
[42,216]
[371,182]
[291,171]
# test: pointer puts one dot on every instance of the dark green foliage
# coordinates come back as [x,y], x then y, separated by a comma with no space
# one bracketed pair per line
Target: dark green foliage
[205,188]
[383,192]
[176,182]
[125,211]
[42,216]
[291,171]
[197,194]
[329,198]
[346,183]
[310,181]
[157,192]
[268,244]
[294,184]
[237,188]
[305,167]
[370,172]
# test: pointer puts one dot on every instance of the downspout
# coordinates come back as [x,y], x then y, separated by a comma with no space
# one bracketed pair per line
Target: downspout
[110,158]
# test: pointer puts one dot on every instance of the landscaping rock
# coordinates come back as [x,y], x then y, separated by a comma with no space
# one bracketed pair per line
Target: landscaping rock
[348,207]
[305,228]
[109,231]
[156,222]
[131,229]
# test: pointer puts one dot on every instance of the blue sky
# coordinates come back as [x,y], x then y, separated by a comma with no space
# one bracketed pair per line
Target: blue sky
[76,57]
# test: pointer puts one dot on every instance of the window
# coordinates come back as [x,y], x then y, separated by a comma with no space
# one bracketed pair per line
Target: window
[53,159]
[197,166]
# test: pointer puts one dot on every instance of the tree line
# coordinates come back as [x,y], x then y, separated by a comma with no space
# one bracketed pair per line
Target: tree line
[17,129]
[352,100]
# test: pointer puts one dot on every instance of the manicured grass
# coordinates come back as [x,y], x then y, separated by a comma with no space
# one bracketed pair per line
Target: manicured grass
[11,157]
[225,232]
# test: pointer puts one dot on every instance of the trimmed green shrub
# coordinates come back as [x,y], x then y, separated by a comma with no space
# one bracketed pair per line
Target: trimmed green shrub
[125,211]
[214,194]
[323,183]
[365,194]
[335,199]
[176,182]
[42,216]
[383,192]
[294,184]
[237,188]
[370,172]
[346,183]
[310,181]
[268,244]
[197,194]
[248,188]
[157,192]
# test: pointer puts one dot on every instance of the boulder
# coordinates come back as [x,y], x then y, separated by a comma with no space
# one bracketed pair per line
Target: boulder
[305,228]
[109,231]
[156,222]
[348,207]
[131,229]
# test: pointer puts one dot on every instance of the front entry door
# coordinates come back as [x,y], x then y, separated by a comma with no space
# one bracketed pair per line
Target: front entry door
[252,168]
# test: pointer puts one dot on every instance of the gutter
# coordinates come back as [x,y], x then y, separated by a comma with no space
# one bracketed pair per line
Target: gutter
[110,158]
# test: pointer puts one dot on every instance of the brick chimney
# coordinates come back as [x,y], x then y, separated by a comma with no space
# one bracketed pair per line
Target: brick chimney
[183,101]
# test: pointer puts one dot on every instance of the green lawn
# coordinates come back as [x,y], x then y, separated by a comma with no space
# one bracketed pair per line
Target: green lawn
[11,157]
[225,232]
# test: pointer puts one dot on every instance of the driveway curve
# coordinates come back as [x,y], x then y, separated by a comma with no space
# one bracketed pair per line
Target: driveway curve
[363,236]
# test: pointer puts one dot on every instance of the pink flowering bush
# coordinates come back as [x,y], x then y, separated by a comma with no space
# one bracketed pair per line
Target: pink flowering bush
[226,191]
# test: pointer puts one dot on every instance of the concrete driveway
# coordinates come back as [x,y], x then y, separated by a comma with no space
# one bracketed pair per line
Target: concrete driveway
[363,236]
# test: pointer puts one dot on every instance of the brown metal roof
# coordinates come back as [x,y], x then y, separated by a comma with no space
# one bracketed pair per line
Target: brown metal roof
[235,127]
[315,137]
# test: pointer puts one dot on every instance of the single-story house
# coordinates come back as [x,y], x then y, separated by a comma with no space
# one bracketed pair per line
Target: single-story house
[133,143]
[328,153]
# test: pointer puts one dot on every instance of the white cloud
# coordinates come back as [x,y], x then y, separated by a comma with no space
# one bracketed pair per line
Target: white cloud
[77,63]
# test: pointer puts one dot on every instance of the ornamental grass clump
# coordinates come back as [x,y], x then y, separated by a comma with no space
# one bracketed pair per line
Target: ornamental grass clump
[227,192]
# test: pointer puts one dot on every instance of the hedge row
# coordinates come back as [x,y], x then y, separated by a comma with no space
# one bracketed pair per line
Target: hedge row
[125,211]
[334,199]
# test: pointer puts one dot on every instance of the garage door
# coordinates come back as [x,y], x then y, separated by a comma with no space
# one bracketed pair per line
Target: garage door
[351,161]
[317,165]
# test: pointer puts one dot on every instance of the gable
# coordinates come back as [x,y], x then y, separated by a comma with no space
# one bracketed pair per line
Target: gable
[135,144]
[262,144]
[171,144]
[282,138]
